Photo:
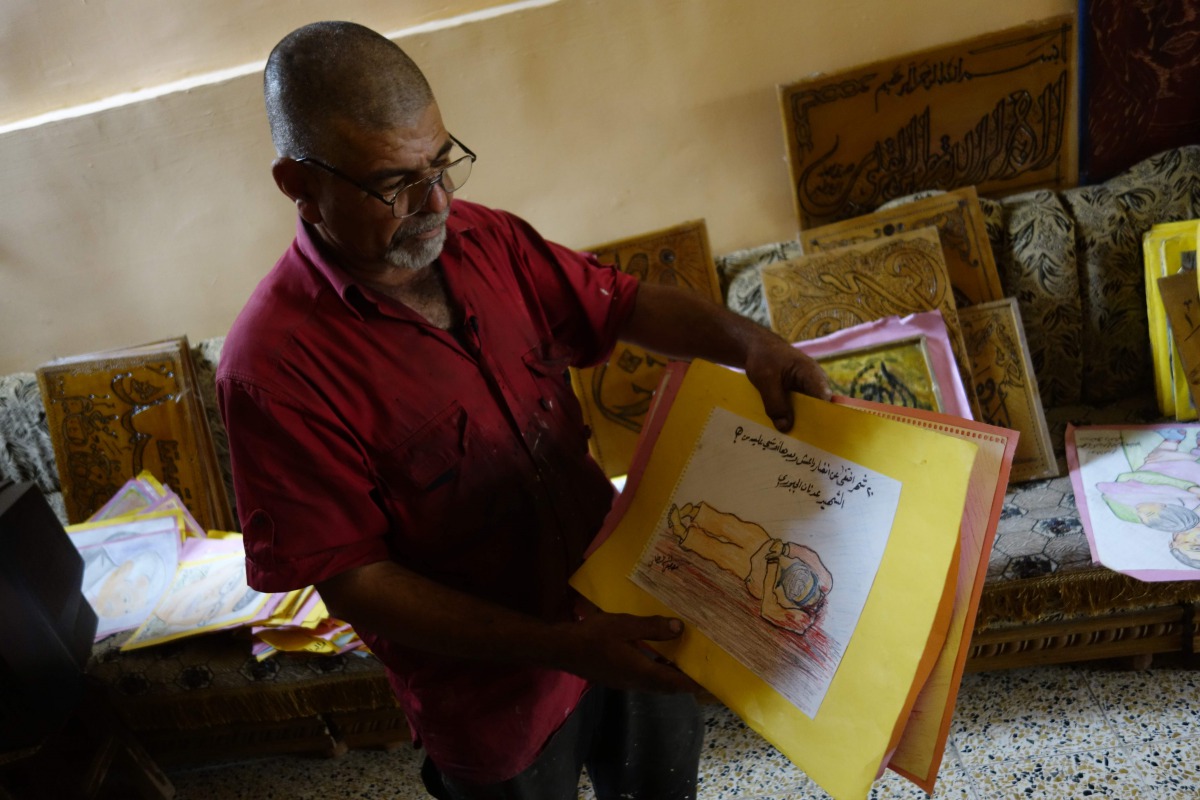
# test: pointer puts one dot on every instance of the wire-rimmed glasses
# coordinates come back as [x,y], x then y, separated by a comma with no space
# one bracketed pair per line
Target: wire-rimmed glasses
[411,198]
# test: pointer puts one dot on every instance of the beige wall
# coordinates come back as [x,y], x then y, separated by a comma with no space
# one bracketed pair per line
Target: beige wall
[61,53]
[594,119]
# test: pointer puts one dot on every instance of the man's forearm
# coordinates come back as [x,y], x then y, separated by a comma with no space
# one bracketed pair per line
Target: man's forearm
[684,325]
[409,609]
[404,607]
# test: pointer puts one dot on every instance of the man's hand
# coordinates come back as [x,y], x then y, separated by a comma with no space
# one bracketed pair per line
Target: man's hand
[607,649]
[681,324]
[776,369]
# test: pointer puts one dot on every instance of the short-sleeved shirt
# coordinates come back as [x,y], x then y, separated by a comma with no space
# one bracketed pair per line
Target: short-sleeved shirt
[360,433]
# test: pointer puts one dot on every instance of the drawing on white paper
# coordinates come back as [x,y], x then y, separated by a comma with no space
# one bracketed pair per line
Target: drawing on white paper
[1148,481]
[205,595]
[769,546]
[787,579]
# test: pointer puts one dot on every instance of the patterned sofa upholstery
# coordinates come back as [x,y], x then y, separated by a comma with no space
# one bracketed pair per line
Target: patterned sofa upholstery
[1073,261]
[206,697]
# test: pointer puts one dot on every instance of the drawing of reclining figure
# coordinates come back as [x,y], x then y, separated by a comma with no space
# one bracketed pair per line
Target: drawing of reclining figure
[788,579]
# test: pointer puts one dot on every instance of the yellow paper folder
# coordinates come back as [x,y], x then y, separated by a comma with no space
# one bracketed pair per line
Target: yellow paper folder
[1163,249]
[838,542]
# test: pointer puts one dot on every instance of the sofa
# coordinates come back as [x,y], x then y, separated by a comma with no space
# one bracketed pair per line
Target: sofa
[203,698]
[1073,262]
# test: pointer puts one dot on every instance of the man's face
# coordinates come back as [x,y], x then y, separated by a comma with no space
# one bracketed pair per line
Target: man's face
[1185,546]
[363,229]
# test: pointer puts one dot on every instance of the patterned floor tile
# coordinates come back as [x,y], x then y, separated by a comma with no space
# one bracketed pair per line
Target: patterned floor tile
[1062,777]
[1149,705]
[363,774]
[1018,714]
[1172,767]
[953,783]
[737,762]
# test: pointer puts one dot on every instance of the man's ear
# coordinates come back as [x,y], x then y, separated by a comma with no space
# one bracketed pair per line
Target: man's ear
[299,184]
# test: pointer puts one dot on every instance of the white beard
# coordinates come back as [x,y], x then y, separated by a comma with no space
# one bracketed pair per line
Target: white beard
[415,254]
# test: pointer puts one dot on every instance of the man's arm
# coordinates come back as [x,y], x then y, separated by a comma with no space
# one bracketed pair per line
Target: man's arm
[391,601]
[681,324]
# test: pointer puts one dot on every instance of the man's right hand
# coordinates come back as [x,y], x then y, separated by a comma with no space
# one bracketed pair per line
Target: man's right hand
[609,649]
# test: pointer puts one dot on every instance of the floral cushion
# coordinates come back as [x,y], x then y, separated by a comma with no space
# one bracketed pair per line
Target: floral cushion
[1111,218]
[1037,266]
[740,274]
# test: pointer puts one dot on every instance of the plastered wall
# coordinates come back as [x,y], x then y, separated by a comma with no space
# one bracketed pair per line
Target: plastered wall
[594,119]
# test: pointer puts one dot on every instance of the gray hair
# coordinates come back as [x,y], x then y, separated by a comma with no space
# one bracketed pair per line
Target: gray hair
[338,71]
[1173,519]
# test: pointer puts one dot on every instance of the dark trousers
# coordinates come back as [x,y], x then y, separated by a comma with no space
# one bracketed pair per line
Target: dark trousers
[634,745]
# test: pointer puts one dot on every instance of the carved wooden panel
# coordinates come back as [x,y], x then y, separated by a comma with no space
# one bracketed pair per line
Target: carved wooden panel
[1005,384]
[615,396]
[997,112]
[823,292]
[113,414]
[960,224]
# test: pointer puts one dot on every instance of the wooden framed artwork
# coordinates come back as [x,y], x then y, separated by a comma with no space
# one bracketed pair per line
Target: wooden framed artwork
[997,112]
[817,294]
[616,395]
[116,413]
[960,225]
[1006,386]
[887,376]
[896,373]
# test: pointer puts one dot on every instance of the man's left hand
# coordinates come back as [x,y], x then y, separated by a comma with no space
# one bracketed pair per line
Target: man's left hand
[776,369]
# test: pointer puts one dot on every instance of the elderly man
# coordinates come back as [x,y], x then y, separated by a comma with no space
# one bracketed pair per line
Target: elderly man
[403,437]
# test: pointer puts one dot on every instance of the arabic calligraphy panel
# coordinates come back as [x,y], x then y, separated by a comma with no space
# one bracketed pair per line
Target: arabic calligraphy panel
[996,112]
[1005,384]
[616,395]
[899,373]
[112,415]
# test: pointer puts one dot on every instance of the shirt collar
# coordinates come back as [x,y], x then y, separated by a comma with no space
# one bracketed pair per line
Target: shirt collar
[351,291]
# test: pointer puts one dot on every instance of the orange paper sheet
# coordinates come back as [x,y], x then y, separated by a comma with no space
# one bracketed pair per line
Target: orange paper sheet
[922,744]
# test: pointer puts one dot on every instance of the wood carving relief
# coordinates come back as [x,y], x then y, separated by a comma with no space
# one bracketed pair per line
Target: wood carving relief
[960,224]
[616,395]
[823,292]
[996,112]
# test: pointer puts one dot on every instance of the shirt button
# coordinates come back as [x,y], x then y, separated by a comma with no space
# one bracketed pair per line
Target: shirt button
[547,404]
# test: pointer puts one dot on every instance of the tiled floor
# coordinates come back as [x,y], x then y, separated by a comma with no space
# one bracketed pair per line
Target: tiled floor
[1050,732]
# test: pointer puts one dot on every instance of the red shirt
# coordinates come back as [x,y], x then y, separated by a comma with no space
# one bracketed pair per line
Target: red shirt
[360,433]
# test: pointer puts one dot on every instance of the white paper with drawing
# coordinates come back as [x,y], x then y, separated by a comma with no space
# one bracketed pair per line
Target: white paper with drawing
[769,546]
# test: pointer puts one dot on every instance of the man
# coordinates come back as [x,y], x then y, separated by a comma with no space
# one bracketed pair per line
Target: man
[404,438]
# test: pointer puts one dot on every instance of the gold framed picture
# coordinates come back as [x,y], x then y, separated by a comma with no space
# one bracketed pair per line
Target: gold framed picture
[898,373]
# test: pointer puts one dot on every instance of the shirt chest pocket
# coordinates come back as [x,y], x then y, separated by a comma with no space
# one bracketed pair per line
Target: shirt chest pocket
[431,457]
[548,365]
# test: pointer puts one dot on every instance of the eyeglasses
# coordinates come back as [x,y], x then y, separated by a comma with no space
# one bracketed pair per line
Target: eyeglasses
[411,198]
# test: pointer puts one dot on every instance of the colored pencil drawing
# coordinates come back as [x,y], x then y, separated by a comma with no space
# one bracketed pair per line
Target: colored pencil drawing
[769,547]
[1142,489]
[787,579]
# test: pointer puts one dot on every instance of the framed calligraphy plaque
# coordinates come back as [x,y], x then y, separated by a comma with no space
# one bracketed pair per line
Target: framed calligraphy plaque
[817,294]
[960,225]
[114,414]
[616,395]
[897,373]
[1005,384]
[997,112]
